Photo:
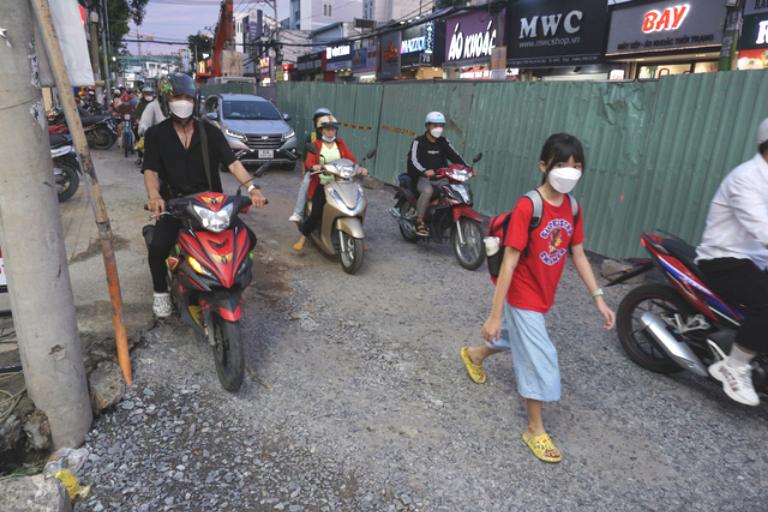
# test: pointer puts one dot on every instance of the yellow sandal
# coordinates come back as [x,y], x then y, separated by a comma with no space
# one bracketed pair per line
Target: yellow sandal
[476,372]
[540,445]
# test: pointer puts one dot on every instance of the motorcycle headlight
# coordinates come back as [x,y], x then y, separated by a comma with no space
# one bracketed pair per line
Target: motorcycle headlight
[460,175]
[236,135]
[289,135]
[214,221]
[197,267]
[346,171]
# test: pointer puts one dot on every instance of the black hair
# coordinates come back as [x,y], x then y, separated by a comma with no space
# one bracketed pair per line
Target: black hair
[762,148]
[560,147]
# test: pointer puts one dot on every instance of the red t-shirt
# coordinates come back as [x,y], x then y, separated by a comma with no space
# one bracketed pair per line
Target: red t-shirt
[537,274]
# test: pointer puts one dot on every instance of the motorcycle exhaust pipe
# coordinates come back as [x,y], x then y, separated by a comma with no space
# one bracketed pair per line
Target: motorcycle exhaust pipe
[678,352]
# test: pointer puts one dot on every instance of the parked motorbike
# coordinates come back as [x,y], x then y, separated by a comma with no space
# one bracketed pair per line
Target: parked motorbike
[66,168]
[208,270]
[127,138]
[100,130]
[341,230]
[450,213]
[682,325]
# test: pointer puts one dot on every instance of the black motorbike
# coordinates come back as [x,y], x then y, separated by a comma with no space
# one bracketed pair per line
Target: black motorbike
[100,129]
[66,167]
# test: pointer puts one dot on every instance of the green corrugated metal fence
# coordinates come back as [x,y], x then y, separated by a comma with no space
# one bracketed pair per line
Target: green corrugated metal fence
[656,151]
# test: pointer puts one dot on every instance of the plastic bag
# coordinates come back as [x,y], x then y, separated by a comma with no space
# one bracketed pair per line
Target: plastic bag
[69,459]
[74,489]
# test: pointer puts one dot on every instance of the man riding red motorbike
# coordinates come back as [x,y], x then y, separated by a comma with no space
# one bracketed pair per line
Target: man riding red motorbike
[733,256]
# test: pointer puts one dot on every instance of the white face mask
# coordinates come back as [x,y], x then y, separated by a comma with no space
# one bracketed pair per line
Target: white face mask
[563,179]
[436,132]
[182,108]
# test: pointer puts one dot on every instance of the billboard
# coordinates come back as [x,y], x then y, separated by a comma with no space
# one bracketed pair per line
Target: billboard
[471,37]
[551,33]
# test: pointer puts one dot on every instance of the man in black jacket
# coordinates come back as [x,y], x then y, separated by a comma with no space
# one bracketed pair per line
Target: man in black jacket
[429,152]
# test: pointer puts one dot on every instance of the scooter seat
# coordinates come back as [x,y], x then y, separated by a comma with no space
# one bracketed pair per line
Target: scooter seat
[684,252]
[405,181]
[57,140]
[93,119]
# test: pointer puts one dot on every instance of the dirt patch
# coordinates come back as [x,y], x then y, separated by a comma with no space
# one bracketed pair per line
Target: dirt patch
[94,249]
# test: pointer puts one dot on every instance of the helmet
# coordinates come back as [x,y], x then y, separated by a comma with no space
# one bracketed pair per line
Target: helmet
[327,122]
[434,117]
[174,85]
[322,111]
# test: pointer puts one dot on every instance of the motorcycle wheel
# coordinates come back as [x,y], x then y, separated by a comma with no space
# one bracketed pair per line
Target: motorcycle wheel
[127,141]
[639,345]
[69,181]
[407,230]
[471,255]
[351,253]
[228,353]
[101,138]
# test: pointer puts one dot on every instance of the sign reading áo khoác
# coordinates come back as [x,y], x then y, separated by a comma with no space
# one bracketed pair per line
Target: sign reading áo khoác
[471,37]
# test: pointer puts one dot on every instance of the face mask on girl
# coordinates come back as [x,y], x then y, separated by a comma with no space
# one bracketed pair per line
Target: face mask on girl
[182,108]
[328,139]
[436,132]
[563,179]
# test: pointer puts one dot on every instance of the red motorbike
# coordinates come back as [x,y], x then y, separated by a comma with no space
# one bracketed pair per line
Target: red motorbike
[682,325]
[450,213]
[208,270]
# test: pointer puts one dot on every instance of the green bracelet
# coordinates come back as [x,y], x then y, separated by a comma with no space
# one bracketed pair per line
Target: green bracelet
[597,293]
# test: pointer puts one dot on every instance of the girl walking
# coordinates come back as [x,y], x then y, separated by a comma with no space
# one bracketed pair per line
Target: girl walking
[525,291]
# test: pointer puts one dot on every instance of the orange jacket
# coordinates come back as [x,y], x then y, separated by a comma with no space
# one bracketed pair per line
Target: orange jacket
[312,160]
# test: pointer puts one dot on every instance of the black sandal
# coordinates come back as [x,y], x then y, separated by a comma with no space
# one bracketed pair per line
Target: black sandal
[421,229]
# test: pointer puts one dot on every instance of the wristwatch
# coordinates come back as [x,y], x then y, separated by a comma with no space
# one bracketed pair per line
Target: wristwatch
[597,292]
[253,187]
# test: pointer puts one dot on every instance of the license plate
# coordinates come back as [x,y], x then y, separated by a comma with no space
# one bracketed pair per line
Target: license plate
[266,154]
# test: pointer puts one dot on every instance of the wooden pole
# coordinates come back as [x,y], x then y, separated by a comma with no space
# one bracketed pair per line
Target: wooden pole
[51,42]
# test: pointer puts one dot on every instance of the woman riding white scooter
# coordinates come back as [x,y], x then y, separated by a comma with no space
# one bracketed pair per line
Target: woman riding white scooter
[330,148]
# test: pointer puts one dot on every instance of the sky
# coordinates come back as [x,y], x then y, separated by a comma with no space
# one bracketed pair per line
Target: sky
[174,20]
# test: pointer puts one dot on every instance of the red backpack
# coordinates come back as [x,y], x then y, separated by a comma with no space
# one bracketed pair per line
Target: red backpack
[499,224]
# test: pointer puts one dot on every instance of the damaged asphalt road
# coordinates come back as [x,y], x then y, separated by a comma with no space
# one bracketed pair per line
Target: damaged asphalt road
[356,399]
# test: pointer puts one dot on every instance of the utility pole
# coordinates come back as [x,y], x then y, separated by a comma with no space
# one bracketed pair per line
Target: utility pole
[729,47]
[93,18]
[138,43]
[33,242]
[105,51]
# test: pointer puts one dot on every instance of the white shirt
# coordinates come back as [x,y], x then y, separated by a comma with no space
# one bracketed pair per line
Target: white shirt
[151,116]
[737,222]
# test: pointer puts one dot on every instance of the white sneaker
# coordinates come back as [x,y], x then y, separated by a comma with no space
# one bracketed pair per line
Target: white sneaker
[294,218]
[161,306]
[737,381]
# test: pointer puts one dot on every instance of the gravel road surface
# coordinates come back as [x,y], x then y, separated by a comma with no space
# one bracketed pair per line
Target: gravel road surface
[357,399]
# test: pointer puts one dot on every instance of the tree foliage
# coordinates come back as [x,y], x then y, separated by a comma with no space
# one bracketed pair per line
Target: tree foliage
[120,13]
[199,44]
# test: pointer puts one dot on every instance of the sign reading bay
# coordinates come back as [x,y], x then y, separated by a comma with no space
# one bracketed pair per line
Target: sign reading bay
[551,33]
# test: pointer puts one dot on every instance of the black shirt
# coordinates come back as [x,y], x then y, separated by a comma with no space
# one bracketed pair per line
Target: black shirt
[181,171]
[425,155]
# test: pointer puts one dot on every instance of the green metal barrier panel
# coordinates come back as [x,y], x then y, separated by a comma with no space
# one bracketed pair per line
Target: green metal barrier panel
[656,150]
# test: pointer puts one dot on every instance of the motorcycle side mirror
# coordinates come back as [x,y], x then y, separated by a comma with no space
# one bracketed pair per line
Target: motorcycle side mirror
[370,154]
[312,148]
[477,158]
